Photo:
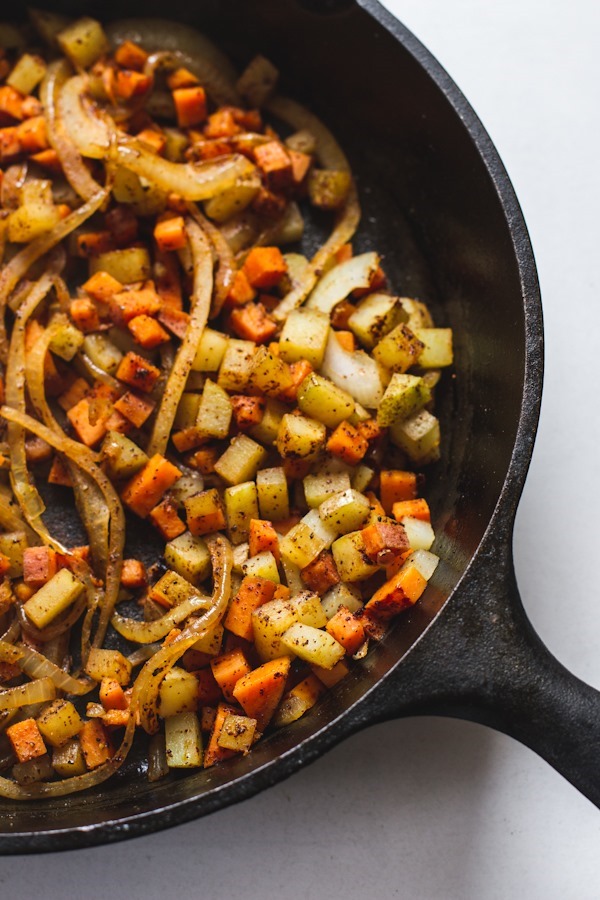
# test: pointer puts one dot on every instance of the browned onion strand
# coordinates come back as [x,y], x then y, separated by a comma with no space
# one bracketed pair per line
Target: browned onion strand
[144,699]
[200,308]
[19,265]
[226,269]
[148,632]
[36,665]
[70,158]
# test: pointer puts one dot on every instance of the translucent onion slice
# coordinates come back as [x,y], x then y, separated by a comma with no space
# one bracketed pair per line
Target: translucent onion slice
[145,690]
[70,158]
[357,373]
[347,219]
[36,665]
[21,262]
[9,653]
[329,152]
[99,138]
[340,281]
[200,307]
[39,691]
[226,269]
[147,632]
[202,57]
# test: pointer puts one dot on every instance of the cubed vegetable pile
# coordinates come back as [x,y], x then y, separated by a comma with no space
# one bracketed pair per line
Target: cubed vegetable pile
[173,362]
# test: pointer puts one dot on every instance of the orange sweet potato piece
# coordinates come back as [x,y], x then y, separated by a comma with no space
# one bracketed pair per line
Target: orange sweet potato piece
[10,145]
[165,518]
[385,542]
[221,124]
[347,630]
[133,574]
[176,320]
[228,669]
[253,592]
[190,105]
[92,243]
[347,443]
[80,416]
[213,752]
[346,340]
[26,740]
[59,474]
[126,305]
[181,78]
[204,459]
[32,135]
[137,372]
[129,83]
[395,485]
[274,162]
[39,565]
[264,267]
[11,104]
[253,323]
[247,411]
[112,695]
[260,691]
[101,286]
[135,408]
[416,509]
[170,234]
[268,203]
[131,56]
[299,370]
[47,159]
[84,314]
[209,691]
[321,574]
[147,332]
[263,537]
[241,291]
[95,743]
[341,313]
[401,591]
[144,491]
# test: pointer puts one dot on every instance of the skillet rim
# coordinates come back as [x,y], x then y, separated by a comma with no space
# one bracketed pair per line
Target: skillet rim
[358,714]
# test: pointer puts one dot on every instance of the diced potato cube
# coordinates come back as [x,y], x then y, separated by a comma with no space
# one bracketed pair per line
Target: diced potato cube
[183,739]
[306,540]
[241,460]
[234,200]
[215,411]
[300,437]
[424,561]
[205,512]
[437,352]
[237,733]
[171,589]
[318,488]
[418,313]
[13,545]
[187,411]
[350,558]
[66,341]
[324,401]
[328,188]
[312,645]
[53,598]
[241,505]
[127,266]
[404,395]
[27,73]
[84,41]
[267,429]
[178,693]
[188,555]
[361,477]
[102,663]
[420,534]
[346,511]
[210,352]
[68,760]
[374,317]
[304,336]
[211,642]
[341,594]
[398,350]
[309,610]
[122,457]
[102,352]
[236,365]
[59,722]
[270,374]
[272,489]
[418,436]
[269,622]
[263,565]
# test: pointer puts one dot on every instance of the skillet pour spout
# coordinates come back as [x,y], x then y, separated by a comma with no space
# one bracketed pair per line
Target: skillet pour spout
[438,205]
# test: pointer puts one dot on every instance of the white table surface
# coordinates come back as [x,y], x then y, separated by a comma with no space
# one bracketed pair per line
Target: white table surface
[445,809]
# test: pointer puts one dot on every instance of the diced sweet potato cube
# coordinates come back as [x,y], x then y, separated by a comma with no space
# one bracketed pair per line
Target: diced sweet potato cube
[32,135]
[129,83]
[147,332]
[228,669]
[59,474]
[241,291]
[416,509]
[133,574]
[274,161]
[11,104]
[112,695]
[131,56]
[147,487]
[264,267]
[170,233]
[39,565]
[84,314]
[253,592]
[126,305]
[396,485]
[213,752]
[165,518]
[400,592]
[385,542]
[95,744]
[347,630]
[260,691]
[26,740]
[190,105]
[347,443]
[221,124]
[263,537]
[321,574]
[101,286]
[135,408]
[252,323]
[93,243]
[247,411]
[181,78]
[88,433]
[137,372]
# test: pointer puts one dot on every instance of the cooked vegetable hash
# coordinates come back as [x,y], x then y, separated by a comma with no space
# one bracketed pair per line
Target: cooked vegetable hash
[172,365]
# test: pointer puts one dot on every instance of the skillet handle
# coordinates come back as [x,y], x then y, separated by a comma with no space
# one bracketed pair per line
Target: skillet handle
[481,660]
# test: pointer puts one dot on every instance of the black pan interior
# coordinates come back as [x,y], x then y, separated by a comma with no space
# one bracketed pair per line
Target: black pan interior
[432,207]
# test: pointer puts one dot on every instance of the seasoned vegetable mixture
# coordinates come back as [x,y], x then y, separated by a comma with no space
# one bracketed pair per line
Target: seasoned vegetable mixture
[171,365]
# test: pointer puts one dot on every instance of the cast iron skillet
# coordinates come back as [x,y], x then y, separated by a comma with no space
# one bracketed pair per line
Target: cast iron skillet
[439,204]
